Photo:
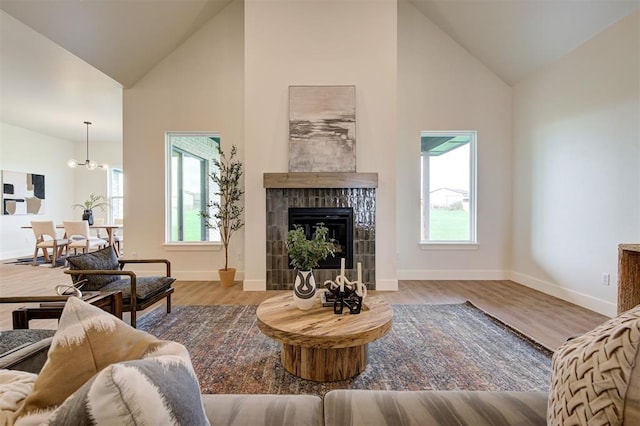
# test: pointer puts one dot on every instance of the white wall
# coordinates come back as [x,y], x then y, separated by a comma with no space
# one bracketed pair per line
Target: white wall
[577,163]
[442,87]
[22,150]
[320,43]
[198,87]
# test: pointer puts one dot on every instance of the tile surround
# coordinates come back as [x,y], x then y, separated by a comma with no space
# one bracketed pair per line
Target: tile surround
[363,201]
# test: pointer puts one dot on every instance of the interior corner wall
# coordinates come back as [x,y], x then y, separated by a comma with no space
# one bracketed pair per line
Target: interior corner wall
[577,163]
[23,150]
[320,43]
[442,87]
[198,87]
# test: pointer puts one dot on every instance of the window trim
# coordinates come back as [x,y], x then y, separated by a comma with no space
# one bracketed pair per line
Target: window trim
[111,197]
[169,244]
[472,243]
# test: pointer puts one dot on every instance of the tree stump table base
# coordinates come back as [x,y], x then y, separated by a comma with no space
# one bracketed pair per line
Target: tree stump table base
[324,365]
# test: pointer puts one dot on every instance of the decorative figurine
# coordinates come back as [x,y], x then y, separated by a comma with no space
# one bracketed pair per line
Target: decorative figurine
[347,293]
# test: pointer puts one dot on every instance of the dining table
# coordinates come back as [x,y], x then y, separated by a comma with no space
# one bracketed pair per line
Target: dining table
[109,228]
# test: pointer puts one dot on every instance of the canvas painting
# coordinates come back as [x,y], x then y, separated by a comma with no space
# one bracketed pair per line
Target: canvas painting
[22,193]
[322,129]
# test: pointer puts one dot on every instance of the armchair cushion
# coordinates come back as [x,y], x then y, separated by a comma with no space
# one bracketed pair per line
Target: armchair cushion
[24,350]
[104,259]
[145,286]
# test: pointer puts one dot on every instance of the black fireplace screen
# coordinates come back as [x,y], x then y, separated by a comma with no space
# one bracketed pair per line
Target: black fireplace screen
[339,221]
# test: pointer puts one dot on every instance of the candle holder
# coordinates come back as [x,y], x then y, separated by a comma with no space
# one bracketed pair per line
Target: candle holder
[347,293]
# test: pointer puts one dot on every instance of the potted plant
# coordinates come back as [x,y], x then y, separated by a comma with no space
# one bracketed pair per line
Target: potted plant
[94,201]
[304,255]
[225,212]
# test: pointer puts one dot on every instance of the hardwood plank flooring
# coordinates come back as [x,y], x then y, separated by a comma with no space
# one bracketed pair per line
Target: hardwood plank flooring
[544,318]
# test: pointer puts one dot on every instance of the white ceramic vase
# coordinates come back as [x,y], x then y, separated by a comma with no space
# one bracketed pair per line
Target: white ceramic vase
[304,290]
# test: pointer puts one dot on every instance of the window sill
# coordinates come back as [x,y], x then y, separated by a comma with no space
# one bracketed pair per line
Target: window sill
[448,246]
[194,246]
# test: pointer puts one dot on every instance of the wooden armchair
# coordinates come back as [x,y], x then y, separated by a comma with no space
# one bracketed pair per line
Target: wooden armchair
[103,271]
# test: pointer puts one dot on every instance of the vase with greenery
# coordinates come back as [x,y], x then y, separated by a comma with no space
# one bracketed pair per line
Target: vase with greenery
[225,212]
[93,202]
[305,254]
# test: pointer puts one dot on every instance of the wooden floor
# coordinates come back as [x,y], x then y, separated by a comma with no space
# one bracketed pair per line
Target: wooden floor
[544,318]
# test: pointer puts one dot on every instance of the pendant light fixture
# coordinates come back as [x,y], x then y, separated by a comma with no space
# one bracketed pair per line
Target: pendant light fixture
[90,165]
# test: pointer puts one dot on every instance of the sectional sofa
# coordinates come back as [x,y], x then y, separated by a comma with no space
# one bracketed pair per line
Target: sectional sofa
[594,381]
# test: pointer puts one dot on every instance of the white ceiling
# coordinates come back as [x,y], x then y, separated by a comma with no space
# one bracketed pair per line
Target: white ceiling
[515,38]
[51,84]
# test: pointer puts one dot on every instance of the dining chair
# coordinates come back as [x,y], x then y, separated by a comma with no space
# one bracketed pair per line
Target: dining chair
[118,235]
[79,235]
[98,231]
[47,238]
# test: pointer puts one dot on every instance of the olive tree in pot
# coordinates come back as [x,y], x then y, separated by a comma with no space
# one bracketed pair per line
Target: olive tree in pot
[225,212]
[94,201]
[305,255]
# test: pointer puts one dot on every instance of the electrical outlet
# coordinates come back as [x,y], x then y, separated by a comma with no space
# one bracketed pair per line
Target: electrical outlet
[605,279]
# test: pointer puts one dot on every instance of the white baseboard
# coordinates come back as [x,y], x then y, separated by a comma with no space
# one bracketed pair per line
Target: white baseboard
[387,285]
[454,274]
[586,301]
[200,275]
[254,285]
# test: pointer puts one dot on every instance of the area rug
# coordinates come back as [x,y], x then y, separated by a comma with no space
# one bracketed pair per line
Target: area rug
[440,347]
[39,261]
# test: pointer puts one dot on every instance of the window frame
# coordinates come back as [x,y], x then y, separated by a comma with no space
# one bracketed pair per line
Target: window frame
[111,196]
[472,242]
[169,243]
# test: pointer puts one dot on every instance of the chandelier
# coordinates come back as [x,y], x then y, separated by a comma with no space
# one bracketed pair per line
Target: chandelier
[90,165]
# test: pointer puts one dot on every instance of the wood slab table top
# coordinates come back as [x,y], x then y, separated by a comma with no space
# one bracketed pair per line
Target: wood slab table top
[319,327]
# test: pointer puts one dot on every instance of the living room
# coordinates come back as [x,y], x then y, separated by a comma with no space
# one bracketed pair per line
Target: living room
[526,220]
[548,181]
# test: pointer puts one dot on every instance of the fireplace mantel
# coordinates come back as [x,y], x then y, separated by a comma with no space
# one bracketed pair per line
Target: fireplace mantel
[320,180]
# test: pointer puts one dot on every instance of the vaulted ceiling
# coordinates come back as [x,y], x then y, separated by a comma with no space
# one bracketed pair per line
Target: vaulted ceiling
[91,49]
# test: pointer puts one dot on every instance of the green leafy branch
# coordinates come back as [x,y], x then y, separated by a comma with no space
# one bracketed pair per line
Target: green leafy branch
[305,254]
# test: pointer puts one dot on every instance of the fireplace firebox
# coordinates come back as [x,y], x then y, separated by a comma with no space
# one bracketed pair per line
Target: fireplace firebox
[339,221]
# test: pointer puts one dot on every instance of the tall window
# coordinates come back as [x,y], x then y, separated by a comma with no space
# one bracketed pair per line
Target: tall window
[188,188]
[448,173]
[116,194]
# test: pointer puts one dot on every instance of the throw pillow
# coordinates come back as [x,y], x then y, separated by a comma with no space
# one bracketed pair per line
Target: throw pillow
[595,379]
[88,339]
[154,391]
[104,259]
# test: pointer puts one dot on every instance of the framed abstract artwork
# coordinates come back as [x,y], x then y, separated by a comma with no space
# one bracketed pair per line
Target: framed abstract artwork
[22,193]
[322,128]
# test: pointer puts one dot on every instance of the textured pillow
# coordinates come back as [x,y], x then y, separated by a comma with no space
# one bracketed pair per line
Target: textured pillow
[104,259]
[595,378]
[153,391]
[88,339]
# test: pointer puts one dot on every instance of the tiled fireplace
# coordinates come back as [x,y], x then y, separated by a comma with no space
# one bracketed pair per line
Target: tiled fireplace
[334,190]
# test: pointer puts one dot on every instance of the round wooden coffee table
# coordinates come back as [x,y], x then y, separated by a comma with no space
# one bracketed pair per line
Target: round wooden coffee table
[318,344]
